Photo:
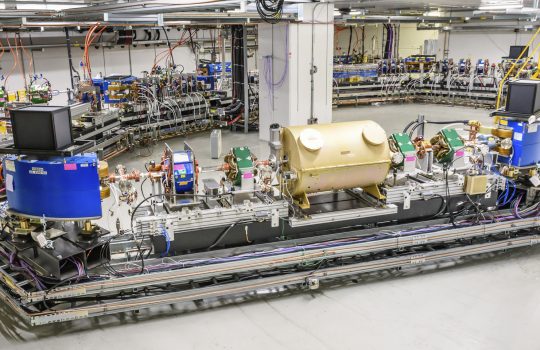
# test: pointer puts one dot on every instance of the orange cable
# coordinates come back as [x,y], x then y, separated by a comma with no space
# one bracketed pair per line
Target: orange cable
[14,66]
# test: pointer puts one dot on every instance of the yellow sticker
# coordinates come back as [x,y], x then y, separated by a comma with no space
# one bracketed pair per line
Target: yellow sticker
[503,122]
[10,165]
[9,283]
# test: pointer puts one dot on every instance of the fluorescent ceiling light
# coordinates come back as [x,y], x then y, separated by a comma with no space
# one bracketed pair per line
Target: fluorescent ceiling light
[487,5]
[337,13]
[435,13]
[122,18]
[54,7]
[499,7]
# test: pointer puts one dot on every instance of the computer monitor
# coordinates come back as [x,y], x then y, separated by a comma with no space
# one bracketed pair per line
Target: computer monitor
[515,51]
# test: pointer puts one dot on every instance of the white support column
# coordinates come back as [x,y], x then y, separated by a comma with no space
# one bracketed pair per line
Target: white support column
[286,51]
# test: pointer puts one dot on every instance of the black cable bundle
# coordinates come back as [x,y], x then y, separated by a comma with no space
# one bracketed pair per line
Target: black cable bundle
[350,42]
[237,62]
[270,10]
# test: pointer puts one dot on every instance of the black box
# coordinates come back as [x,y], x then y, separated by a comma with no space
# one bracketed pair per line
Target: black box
[523,97]
[46,128]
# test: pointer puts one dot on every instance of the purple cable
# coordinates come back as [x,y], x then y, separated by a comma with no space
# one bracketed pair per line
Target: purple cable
[269,73]
[278,251]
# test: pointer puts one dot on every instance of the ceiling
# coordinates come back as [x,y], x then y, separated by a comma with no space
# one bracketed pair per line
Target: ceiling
[445,13]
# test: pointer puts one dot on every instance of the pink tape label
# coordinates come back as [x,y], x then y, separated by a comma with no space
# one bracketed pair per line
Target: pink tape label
[410,159]
[247,175]
[460,153]
[70,166]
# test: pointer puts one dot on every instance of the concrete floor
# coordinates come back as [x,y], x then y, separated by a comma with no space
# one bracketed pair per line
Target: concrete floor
[481,303]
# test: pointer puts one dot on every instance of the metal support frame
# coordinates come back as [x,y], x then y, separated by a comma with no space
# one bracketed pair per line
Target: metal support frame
[420,132]
[195,283]
[245,98]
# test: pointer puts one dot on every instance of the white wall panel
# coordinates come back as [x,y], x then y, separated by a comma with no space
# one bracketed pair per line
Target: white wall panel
[483,44]
[411,40]
[53,62]
[289,103]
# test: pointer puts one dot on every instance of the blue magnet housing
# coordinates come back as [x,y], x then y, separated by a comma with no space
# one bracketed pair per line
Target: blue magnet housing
[214,69]
[123,80]
[183,171]
[57,188]
[525,144]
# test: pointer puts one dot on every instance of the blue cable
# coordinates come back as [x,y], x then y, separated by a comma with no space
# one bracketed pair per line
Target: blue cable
[167,241]
[505,194]
[514,189]
[502,198]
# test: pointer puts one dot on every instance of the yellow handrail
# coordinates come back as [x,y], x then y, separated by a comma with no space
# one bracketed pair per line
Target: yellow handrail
[527,60]
[513,66]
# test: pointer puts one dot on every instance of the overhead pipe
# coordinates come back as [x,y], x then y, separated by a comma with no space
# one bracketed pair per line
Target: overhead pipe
[145,9]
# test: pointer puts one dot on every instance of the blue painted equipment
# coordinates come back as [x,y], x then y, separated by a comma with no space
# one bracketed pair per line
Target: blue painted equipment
[462,66]
[343,59]
[211,72]
[359,71]
[183,171]
[115,88]
[61,188]
[99,82]
[481,66]
[525,143]
[415,62]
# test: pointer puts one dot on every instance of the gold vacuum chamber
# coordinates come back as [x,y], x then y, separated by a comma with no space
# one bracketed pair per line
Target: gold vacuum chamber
[324,157]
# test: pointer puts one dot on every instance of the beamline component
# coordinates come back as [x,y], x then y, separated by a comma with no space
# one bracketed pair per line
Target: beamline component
[241,288]
[215,270]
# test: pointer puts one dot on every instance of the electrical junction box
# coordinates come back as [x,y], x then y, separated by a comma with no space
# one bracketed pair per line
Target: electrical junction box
[407,149]
[45,128]
[523,97]
[183,172]
[244,162]
[456,147]
[476,184]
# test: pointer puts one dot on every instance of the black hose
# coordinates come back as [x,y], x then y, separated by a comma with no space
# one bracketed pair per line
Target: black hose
[350,42]
[222,236]
[270,10]
[148,34]
[142,184]
[443,207]
[138,206]
[235,110]
[465,122]
[168,44]
[414,128]
[408,126]
[448,122]
[3,233]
